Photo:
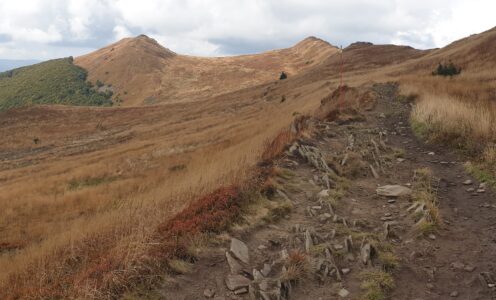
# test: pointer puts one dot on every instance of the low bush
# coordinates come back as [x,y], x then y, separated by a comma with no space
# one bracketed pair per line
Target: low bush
[448,69]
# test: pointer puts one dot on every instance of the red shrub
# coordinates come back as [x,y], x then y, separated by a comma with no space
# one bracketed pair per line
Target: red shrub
[212,213]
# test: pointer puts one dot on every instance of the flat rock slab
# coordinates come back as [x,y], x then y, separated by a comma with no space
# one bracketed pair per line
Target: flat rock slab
[240,250]
[235,282]
[393,191]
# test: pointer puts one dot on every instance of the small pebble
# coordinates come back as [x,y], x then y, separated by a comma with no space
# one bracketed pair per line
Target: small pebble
[454,294]
[343,293]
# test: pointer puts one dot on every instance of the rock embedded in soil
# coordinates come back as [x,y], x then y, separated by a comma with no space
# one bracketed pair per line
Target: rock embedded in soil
[343,293]
[208,293]
[234,265]
[457,265]
[467,182]
[235,282]
[240,250]
[241,291]
[454,294]
[393,191]
[308,241]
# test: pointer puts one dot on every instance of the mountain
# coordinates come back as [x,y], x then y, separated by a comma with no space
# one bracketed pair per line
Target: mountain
[144,72]
[9,64]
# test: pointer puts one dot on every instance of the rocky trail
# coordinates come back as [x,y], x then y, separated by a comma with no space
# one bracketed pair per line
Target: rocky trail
[362,210]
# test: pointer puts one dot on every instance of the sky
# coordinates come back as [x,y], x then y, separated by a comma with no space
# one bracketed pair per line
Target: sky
[45,29]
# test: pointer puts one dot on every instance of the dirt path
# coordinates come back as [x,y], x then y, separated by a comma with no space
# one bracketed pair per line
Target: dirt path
[327,234]
[461,260]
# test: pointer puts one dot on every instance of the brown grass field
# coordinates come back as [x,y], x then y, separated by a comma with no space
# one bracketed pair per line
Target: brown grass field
[102,180]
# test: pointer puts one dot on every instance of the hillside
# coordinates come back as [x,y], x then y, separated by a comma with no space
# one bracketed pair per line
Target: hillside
[143,72]
[94,199]
[53,82]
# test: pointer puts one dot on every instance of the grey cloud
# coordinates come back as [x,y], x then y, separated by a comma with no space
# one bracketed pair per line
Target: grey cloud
[226,27]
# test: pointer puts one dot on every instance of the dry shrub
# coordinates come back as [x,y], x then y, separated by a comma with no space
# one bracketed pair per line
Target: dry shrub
[297,267]
[345,104]
[212,213]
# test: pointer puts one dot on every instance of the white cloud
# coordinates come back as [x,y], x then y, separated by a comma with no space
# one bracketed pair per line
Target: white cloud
[50,28]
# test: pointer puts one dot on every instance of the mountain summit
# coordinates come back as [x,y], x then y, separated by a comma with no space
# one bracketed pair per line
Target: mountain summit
[142,71]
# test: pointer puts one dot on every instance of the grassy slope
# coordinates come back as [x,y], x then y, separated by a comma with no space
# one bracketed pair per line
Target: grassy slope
[56,81]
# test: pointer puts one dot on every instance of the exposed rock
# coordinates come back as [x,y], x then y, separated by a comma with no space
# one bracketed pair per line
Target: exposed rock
[469,268]
[481,191]
[241,291]
[324,217]
[393,191]
[470,190]
[374,172]
[209,293]
[345,271]
[387,230]
[457,265]
[240,250]
[308,241]
[365,253]
[284,254]
[234,265]
[467,182]
[343,293]
[266,270]
[348,244]
[257,275]
[432,236]
[454,294]
[235,282]
[323,193]
[268,289]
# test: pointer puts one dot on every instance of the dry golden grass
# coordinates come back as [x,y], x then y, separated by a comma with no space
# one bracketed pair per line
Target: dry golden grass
[102,180]
[161,76]
[446,119]
[89,197]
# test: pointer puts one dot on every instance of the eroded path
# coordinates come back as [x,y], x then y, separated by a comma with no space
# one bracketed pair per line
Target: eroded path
[326,233]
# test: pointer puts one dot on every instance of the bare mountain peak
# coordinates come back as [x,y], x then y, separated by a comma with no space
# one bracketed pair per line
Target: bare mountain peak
[313,42]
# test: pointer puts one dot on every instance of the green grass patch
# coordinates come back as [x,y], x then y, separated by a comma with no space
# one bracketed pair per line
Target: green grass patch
[76,184]
[376,284]
[56,81]
[481,174]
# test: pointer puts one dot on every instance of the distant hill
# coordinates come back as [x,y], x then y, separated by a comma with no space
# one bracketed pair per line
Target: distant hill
[56,81]
[144,72]
[9,64]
